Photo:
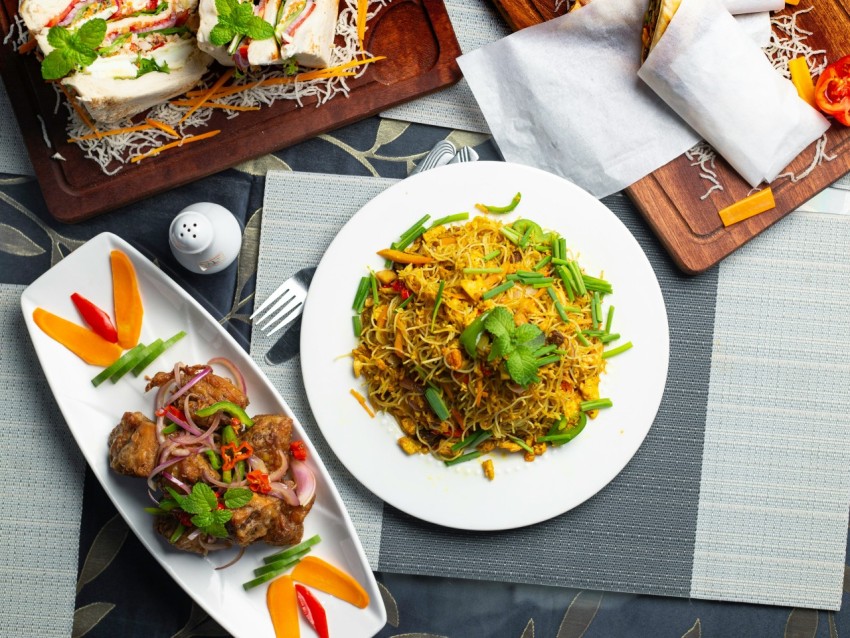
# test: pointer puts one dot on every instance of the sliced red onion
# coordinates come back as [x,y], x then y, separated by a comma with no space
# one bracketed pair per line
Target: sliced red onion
[188,385]
[280,471]
[159,468]
[305,13]
[256,463]
[213,546]
[209,478]
[158,405]
[305,482]
[233,561]
[285,493]
[173,479]
[233,370]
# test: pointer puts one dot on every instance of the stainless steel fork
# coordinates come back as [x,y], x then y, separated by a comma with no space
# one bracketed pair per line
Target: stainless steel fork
[285,304]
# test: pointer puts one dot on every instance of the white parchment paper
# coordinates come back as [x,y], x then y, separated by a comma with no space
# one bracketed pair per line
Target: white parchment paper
[712,74]
[753,6]
[564,96]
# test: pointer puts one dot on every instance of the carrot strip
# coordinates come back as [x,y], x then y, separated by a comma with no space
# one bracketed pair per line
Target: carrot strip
[115,131]
[162,126]
[83,115]
[361,21]
[362,401]
[215,87]
[180,142]
[754,204]
[27,46]
[215,105]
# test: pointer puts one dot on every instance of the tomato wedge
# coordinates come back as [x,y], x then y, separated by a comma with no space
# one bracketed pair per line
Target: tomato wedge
[832,92]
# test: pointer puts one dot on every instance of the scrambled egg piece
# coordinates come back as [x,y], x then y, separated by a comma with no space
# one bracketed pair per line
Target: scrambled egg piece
[409,446]
[489,470]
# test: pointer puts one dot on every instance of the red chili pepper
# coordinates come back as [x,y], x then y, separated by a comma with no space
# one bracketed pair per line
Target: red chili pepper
[184,518]
[401,289]
[312,610]
[832,91]
[258,481]
[96,318]
[232,453]
[298,450]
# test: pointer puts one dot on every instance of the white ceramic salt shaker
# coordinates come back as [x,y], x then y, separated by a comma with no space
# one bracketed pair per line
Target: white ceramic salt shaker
[205,238]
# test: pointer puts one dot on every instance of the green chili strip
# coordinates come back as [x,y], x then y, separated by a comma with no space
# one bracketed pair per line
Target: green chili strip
[542,262]
[437,301]
[545,350]
[558,424]
[178,532]
[512,236]
[473,440]
[230,408]
[482,271]
[227,436]
[582,340]
[552,358]
[492,255]
[607,354]
[497,290]
[215,462]
[448,219]
[501,209]
[596,404]
[525,446]
[611,336]
[403,303]
[357,325]
[569,435]
[464,458]
[577,278]
[168,429]
[436,403]
[609,319]
[360,296]
[374,282]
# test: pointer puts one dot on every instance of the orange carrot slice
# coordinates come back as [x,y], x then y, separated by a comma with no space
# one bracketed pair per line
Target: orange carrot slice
[283,607]
[127,300]
[90,347]
[315,572]
[754,204]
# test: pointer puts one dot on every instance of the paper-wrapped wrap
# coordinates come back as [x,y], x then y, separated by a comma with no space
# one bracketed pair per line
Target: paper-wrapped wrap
[714,77]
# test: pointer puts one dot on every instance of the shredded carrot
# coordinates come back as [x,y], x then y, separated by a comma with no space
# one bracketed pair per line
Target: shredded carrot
[751,205]
[479,393]
[457,416]
[83,115]
[361,21]
[362,401]
[27,46]
[162,126]
[241,87]
[215,87]
[215,105]
[180,142]
[115,131]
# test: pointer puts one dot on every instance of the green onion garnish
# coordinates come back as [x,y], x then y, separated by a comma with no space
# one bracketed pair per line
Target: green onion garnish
[168,429]
[561,311]
[593,333]
[401,244]
[562,247]
[482,271]
[436,403]
[512,277]
[437,301]
[413,229]
[511,235]
[525,237]
[577,278]
[484,208]
[596,404]
[357,325]
[560,262]
[497,290]
[542,262]
[542,284]
[403,303]
[607,354]
[525,446]
[552,358]
[545,350]
[360,296]
[595,310]
[374,281]
[492,255]
[473,440]
[607,338]
[565,436]
[555,247]
[553,295]
[599,285]
[448,219]
[582,340]
[566,279]
[543,248]
[464,458]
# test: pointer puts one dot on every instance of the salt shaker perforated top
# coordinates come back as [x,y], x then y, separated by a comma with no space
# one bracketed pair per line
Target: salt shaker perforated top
[205,237]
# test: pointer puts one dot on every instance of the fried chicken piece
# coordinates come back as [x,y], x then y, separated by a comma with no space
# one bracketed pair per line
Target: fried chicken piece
[211,389]
[269,519]
[133,446]
[166,525]
[192,469]
[270,434]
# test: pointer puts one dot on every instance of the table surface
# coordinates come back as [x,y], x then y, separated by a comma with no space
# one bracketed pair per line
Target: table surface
[151,605]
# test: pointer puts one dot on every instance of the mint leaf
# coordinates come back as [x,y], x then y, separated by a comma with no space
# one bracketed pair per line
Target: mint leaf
[200,501]
[502,346]
[58,37]
[90,35]
[522,366]
[149,65]
[237,497]
[216,530]
[259,29]
[55,65]
[528,333]
[224,7]
[220,517]
[203,519]
[221,34]
[499,322]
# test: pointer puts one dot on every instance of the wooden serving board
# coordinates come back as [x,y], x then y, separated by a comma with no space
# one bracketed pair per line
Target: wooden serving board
[670,197]
[416,37]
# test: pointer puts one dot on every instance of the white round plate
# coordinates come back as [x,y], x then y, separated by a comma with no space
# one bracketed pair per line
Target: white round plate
[522,493]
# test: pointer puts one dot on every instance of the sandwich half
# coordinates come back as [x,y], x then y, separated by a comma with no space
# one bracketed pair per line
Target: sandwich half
[655,21]
[146,56]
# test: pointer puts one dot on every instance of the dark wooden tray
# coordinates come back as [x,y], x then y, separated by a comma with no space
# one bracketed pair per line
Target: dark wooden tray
[669,198]
[416,36]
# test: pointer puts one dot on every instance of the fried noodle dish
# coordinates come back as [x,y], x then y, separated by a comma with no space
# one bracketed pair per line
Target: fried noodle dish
[483,336]
[217,477]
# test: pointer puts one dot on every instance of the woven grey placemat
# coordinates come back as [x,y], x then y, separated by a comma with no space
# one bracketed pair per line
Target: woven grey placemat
[669,524]
[41,471]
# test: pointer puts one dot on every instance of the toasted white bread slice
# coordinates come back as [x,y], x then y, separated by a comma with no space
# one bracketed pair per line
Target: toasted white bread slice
[262,52]
[309,36]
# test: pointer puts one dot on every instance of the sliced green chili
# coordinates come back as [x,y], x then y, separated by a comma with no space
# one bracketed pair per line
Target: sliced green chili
[168,429]
[569,435]
[403,303]
[178,532]
[448,219]
[212,457]
[230,408]
[470,335]
[484,208]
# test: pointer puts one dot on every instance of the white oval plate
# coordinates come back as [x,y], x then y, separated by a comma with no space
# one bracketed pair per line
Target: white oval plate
[91,413]
[522,493]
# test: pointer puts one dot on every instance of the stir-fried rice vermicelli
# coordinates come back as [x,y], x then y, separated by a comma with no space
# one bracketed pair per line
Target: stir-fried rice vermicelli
[406,348]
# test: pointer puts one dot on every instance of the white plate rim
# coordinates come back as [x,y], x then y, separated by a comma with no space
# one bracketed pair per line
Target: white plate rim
[350,554]
[333,288]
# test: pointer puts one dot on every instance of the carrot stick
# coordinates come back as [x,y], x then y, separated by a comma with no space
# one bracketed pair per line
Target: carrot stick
[362,401]
[758,202]
[215,87]
[362,5]
[162,126]
[115,131]
[27,46]
[180,142]
[83,116]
